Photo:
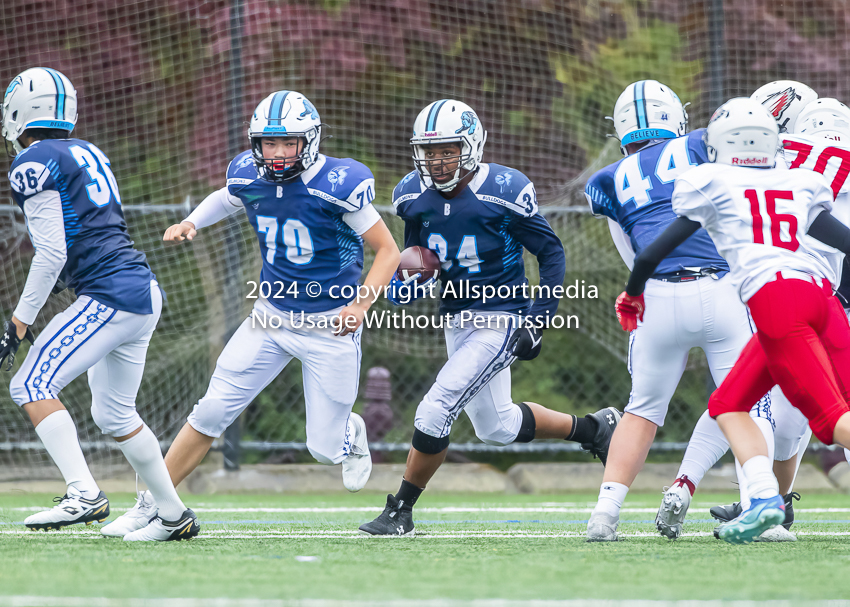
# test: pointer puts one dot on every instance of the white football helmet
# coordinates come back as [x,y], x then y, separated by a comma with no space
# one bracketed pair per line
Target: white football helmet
[784,99]
[648,110]
[742,132]
[285,114]
[827,118]
[447,121]
[39,97]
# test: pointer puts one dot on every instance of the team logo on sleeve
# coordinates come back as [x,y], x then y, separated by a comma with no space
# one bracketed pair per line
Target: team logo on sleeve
[309,109]
[408,177]
[245,161]
[504,181]
[337,177]
[469,122]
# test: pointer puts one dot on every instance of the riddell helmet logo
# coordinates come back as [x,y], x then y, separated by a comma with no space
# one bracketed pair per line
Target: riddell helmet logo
[764,160]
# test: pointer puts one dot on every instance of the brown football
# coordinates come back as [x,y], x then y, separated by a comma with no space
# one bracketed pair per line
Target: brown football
[418,260]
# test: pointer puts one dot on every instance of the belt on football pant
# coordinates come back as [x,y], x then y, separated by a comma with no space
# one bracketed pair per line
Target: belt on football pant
[689,275]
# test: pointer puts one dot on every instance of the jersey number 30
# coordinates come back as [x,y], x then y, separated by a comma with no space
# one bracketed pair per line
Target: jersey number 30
[775,220]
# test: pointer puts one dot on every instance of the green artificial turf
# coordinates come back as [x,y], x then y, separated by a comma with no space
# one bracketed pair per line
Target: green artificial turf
[456,555]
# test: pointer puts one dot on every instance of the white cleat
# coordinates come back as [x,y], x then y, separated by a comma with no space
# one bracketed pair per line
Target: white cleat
[672,512]
[357,467]
[137,517]
[159,530]
[777,534]
[602,527]
[72,508]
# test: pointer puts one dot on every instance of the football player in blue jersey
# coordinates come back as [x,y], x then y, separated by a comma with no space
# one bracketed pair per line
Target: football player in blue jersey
[311,213]
[477,218]
[694,303]
[70,199]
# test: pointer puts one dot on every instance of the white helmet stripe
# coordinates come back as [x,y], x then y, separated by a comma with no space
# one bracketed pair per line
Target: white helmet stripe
[60,93]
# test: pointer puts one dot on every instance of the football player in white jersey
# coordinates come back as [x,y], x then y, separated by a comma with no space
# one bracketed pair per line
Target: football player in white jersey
[311,214]
[697,305]
[757,215]
[784,99]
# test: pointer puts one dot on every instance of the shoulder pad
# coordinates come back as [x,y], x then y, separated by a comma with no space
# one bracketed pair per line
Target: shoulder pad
[344,182]
[241,170]
[409,188]
[696,145]
[30,173]
[509,188]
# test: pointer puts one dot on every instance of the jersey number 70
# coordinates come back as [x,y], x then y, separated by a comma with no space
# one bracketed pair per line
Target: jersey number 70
[773,224]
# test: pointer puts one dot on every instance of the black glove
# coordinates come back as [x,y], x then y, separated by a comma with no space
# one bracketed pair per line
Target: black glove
[525,343]
[58,287]
[10,342]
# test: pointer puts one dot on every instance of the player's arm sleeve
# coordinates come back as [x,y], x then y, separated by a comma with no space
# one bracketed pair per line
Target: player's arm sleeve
[360,221]
[831,232]
[622,242]
[214,208]
[537,236]
[676,233]
[46,226]
[600,202]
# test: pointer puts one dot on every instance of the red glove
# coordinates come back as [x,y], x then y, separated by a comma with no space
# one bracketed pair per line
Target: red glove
[630,310]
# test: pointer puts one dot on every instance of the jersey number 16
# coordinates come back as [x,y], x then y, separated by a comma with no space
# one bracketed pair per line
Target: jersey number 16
[775,220]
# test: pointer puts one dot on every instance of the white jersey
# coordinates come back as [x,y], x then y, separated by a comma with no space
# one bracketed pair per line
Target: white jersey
[833,162]
[757,219]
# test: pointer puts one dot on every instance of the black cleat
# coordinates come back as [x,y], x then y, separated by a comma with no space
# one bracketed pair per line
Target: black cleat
[727,513]
[732,511]
[606,422]
[789,509]
[724,514]
[395,520]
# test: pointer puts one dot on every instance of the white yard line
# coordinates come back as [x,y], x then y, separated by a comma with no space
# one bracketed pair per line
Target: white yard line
[37,601]
[442,510]
[354,534]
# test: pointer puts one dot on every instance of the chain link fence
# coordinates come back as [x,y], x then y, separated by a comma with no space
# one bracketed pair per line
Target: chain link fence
[166,87]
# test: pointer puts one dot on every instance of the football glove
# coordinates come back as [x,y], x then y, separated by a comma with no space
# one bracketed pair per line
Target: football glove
[10,342]
[525,343]
[630,310]
[403,292]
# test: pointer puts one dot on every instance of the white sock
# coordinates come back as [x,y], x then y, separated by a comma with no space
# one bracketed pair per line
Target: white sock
[59,435]
[143,453]
[706,447]
[761,483]
[801,450]
[611,498]
[767,431]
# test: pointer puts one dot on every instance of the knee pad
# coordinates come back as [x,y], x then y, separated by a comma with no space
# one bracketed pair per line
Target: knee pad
[529,425]
[115,422]
[208,417]
[18,390]
[427,444]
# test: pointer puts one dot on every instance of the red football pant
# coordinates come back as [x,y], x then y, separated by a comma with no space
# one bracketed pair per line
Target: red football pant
[802,344]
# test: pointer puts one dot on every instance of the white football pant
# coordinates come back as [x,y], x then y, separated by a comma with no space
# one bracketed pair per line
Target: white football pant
[254,356]
[90,336]
[476,379]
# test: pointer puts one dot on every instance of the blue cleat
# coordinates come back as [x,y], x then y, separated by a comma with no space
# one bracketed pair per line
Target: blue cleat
[762,515]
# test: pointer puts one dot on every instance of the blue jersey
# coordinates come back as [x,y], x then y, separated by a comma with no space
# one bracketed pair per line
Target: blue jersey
[479,237]
[303,236]
[636,193]
[102,262]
